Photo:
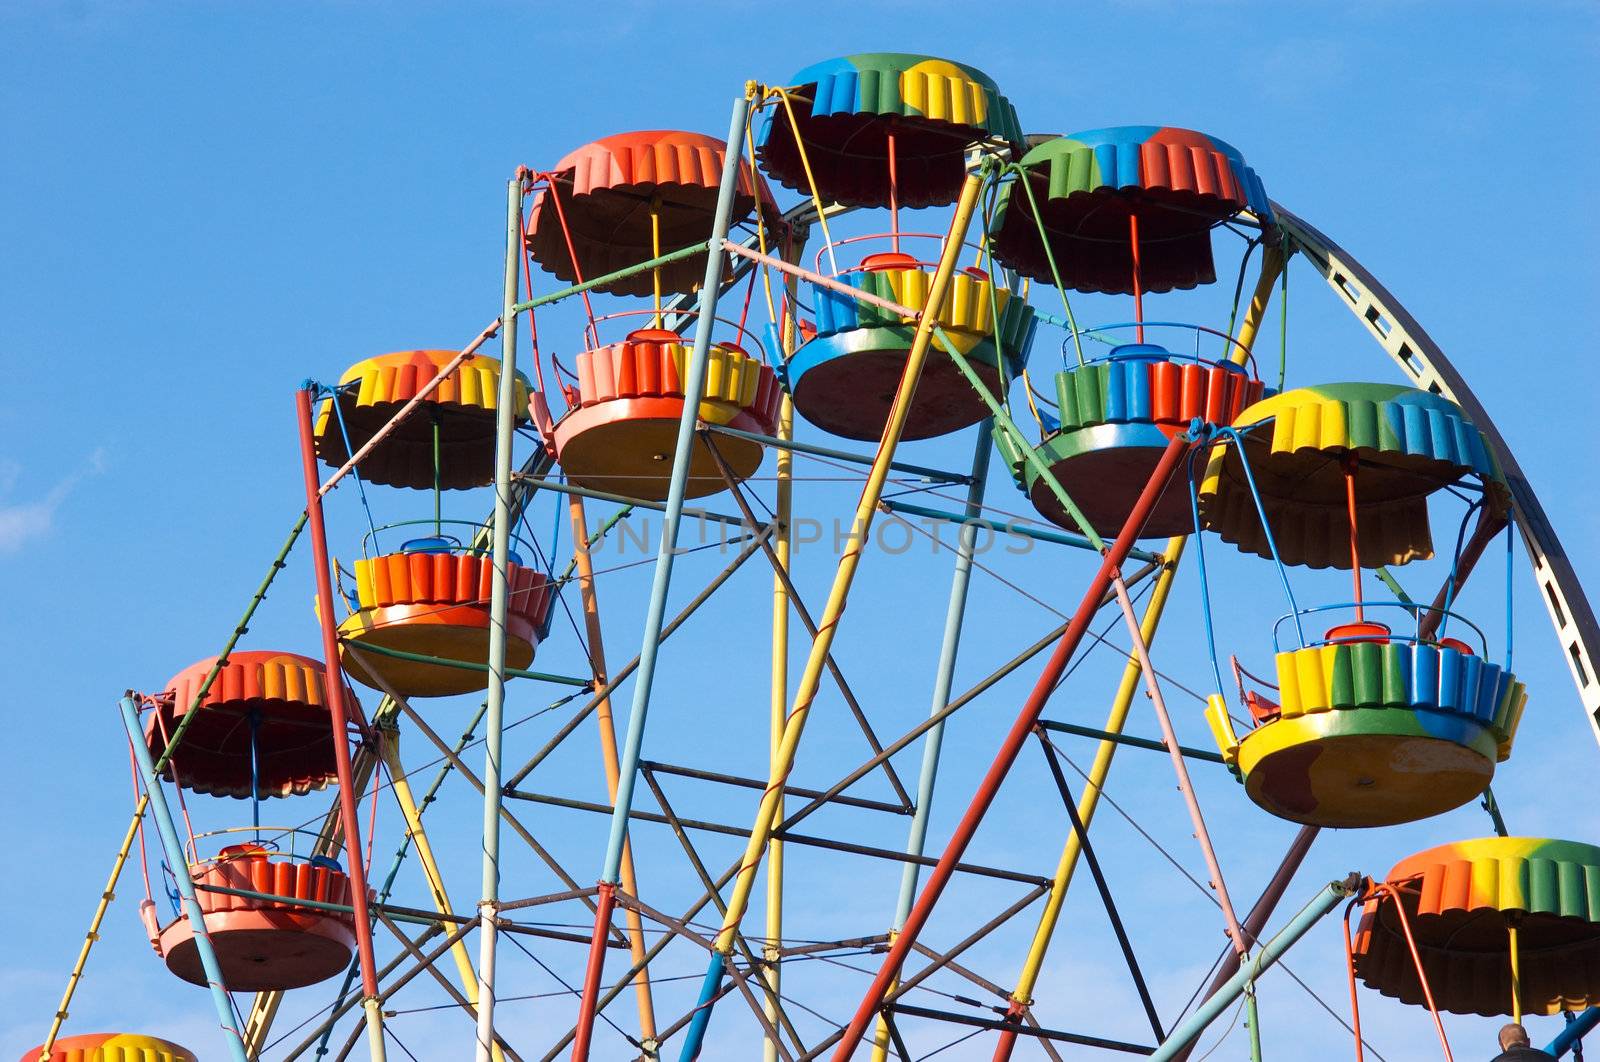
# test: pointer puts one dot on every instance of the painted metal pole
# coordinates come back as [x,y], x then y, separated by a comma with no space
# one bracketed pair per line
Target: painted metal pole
[833,610]
[1513,946]
[539,482]
[1256,921]
[778,705]
[821,281]
[1196,1023]
[1130,741]
[265,1006]
[655,612]
[778,685]
[1272,263]
[944,674]
[608,756]
[1110,566]
[611,278]
[1097,873]
[178,863]
[1574,1033]
[106,896]
[1489,525]
[1252,1020]
[329,842]
[1089,800]
[1191,801]
[333,676]
[473,665]
[389,750]
[505,424]
[938,475]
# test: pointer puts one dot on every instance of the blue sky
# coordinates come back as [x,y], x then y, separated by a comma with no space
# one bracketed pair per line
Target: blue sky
[206,203]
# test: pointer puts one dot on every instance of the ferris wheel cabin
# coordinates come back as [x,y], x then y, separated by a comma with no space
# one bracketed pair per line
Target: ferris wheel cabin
[620,433]
[610,204]
[1502,926]
[1127,210]
[1116,414]
[1365,726]
[429,603]
[262,944]
[888,131]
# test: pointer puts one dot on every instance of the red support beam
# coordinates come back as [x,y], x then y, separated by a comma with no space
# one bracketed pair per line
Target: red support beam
[1027,718]
[349,815]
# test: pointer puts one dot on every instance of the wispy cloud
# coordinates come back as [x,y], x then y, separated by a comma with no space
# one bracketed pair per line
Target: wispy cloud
[23,521]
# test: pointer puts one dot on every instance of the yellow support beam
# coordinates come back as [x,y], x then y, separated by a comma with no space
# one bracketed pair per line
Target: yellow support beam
[779,701]
[389,750]
[107,894]
[844,576]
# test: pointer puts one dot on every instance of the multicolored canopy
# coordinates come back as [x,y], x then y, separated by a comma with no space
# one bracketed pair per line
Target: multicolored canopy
[450,443]
[609,190]
[264,721]
[1176,183]
[113,1047]
[1463,900]
[1408,443]
[846,109]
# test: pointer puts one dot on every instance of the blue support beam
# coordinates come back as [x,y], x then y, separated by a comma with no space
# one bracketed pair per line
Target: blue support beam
[178,864]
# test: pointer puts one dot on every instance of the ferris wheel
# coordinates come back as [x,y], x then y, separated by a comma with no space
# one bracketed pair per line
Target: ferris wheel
[724,349]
